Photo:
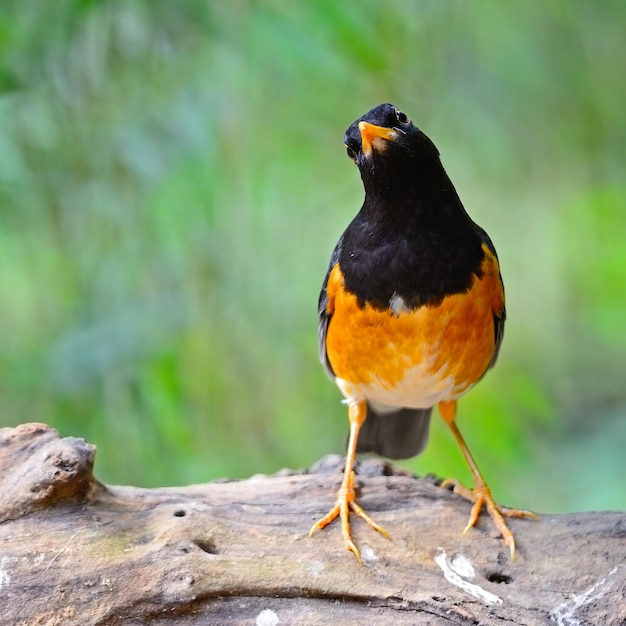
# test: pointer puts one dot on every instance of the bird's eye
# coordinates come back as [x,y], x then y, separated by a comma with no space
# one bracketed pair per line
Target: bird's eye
[402,117]
[350,152]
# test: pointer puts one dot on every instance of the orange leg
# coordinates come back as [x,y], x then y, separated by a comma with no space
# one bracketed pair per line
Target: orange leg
[481,494]
[346,498]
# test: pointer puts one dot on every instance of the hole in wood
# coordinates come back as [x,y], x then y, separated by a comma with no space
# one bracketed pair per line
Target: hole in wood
[180,513]
[497,577]
[206,546]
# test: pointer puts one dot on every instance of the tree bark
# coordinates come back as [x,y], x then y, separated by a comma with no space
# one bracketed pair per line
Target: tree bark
[75,551]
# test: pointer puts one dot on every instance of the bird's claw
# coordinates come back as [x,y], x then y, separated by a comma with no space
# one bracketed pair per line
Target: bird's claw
[346,502]
[481,496]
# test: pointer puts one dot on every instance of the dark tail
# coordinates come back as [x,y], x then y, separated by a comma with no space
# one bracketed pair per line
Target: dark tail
[397,434]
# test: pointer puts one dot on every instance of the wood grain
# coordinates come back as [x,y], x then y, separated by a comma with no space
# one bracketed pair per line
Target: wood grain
[75,551]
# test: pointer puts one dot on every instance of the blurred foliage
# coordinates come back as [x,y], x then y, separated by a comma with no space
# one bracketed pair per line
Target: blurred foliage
[173,179]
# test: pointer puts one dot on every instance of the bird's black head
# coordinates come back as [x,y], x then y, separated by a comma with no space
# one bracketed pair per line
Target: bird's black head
[389,149]
[412,237]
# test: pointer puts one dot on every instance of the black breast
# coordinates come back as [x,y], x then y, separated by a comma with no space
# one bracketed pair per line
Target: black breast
[420,264]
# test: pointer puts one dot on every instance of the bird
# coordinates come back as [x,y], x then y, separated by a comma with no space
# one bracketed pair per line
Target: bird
[411,311]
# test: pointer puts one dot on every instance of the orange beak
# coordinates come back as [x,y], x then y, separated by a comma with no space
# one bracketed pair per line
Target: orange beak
[370,133]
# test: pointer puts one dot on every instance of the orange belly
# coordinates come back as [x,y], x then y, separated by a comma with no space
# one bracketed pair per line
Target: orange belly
[413,358]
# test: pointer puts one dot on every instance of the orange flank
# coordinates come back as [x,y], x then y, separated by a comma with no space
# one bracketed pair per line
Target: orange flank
[449,346]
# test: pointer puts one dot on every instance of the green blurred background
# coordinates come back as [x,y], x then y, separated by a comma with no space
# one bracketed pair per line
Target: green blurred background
[173,180]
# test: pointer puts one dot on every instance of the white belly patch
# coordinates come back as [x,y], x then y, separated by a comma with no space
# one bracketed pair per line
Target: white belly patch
[420,388]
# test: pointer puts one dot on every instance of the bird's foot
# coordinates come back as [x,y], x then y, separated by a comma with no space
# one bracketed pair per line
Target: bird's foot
[481,496]
[346,502]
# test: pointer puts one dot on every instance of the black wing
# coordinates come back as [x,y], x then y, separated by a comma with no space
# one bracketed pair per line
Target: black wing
[324,316]
[500,317]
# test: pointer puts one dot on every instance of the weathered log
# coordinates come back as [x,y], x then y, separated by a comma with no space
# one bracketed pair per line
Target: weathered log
[74,551]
